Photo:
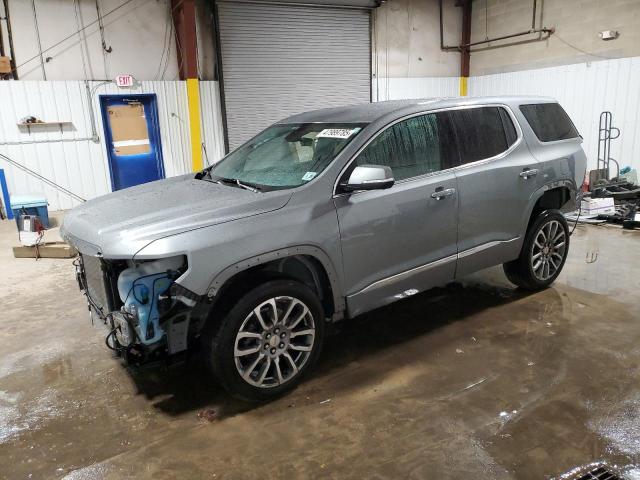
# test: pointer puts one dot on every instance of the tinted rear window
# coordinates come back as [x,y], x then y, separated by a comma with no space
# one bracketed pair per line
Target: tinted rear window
[549,121]
[481,132]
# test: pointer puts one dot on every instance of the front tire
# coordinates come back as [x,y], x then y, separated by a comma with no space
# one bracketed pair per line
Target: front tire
[543,253]
[268,341]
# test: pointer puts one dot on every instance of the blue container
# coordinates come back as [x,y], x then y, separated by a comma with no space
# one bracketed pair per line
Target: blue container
[33,204]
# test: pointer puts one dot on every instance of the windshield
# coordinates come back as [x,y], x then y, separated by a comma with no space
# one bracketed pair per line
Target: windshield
[285,156]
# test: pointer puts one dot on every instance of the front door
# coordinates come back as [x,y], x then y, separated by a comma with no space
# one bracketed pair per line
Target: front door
[132,134]
[402,240]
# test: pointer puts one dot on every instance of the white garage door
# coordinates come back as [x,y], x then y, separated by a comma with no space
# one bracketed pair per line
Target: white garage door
[278,60]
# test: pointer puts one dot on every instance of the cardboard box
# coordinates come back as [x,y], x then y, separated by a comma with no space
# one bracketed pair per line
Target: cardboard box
[5,65]
[598,206]
[46,250]
[129,129]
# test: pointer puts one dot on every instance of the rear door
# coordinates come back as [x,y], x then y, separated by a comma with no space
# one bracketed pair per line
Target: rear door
[496,179]
[401,240]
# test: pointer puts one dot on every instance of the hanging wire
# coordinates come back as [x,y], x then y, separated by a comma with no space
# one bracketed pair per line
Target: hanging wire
[35,22]
[555,35]
[105,49]
[166,44]
[126,2]
[82,41]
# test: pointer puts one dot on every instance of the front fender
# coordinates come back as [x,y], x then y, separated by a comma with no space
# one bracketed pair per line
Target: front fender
[310,250]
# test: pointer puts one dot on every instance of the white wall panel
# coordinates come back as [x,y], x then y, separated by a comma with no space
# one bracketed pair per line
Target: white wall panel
[584,90]
[76,162]
[212,129]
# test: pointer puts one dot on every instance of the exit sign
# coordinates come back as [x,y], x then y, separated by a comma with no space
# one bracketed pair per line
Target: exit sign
[124,81]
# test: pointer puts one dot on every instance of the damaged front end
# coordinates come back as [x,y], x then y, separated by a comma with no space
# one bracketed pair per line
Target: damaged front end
[147,314]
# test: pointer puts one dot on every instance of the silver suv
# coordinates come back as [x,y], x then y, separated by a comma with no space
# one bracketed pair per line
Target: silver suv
[324,216]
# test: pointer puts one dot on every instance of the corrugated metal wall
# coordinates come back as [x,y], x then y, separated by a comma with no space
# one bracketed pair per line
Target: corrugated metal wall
[76,162]
[584,90]
[212,129]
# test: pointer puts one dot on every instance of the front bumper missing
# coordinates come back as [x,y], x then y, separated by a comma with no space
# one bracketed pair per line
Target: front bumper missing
[178,304]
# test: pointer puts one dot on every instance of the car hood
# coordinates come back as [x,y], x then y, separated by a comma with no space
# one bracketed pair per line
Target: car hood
[117,225]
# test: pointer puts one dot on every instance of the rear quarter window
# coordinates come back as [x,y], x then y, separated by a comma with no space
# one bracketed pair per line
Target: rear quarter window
[549,121]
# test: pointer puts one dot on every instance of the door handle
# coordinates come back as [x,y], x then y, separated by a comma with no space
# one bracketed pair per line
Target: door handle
[529,172]
[441,193]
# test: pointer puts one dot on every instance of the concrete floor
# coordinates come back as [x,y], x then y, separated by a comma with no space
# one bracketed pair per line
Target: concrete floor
[476,379]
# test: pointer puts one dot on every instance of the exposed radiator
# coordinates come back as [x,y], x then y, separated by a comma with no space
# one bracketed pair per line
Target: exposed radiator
[97,287]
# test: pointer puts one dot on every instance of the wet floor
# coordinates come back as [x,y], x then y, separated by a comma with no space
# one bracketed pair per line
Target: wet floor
[473,379]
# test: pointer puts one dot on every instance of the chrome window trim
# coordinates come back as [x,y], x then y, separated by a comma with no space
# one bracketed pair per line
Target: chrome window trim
[501,155]
[578,139]
[551,141]
[511,148]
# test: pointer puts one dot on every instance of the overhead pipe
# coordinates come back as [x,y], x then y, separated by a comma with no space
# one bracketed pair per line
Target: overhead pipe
[533,15]
[549,31]
[465,39]
[464,45]
[446,48]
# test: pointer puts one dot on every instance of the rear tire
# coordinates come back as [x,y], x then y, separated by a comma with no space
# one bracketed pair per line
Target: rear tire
[268,341]
[543,253]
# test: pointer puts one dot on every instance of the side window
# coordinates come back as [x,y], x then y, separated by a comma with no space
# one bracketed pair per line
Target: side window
[549,121]
[413,147]
[483,132]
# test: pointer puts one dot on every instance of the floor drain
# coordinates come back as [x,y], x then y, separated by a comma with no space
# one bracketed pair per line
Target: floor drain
[600,473]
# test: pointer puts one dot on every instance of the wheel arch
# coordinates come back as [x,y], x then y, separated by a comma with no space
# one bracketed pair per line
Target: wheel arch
[306,263]
[552,196]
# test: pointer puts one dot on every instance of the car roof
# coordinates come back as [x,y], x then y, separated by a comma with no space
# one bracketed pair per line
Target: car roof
[390,109]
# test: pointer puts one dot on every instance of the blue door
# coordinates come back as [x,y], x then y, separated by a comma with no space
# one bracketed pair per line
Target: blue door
[132,135]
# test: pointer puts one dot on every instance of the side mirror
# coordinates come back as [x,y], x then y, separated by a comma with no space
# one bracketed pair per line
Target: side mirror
[369,177]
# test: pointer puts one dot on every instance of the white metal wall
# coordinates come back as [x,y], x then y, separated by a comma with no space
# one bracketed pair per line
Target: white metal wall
[212,129]
[77,163]
[584,90]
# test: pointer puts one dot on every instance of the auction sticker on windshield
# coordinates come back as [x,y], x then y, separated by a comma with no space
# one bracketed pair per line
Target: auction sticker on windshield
[337,132]
[308,176]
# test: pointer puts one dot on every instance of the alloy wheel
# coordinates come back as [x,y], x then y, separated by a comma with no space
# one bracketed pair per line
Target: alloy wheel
[548,250]
[274,342]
